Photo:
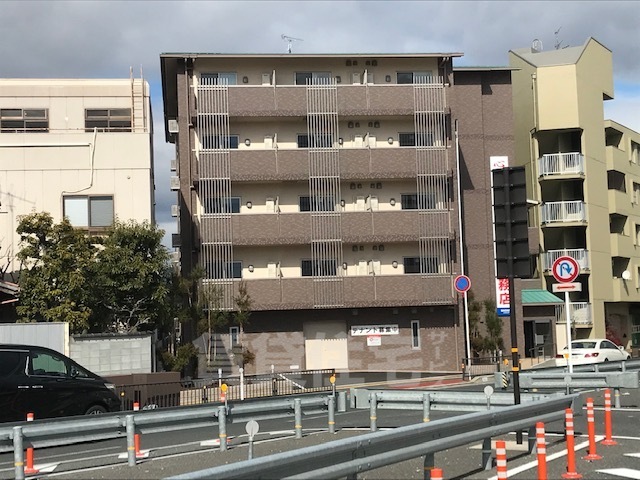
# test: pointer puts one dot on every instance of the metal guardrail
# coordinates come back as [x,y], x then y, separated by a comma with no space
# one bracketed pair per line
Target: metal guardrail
[621,366]
[350,456]
[580,380]
[65,431]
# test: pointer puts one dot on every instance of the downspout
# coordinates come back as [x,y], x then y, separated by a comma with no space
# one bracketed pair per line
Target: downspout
[92,150]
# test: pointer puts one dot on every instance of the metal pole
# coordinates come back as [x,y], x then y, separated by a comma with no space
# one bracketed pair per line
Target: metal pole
[568,317]
[487,454]
[373,401]
[297,405]
[222,427]
[332,414]
[429,463]
[241,383]
[426,407]
[342,401]
[131,443]
[18,453]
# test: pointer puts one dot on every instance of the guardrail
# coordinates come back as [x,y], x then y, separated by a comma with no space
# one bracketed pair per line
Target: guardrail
[65,431]
[350,456]
[580,380]
[620,366]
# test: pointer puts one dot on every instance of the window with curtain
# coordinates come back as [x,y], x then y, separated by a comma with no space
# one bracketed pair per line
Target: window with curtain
[87,211]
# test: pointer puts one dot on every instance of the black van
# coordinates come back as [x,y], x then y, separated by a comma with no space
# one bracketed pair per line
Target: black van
[48,384]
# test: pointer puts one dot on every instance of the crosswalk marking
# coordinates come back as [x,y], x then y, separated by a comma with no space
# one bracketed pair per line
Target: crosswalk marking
[622,472]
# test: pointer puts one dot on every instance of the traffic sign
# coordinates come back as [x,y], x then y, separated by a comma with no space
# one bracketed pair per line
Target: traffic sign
[565,269]
[567,287]
[462,283]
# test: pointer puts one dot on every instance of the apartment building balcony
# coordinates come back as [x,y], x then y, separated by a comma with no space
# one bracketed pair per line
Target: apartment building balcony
[616,159]
[581,256]
[561,164]
[626,290]
[295,228]
[619,202]
[562,213]
[621,245]
[579,312]
[358,291]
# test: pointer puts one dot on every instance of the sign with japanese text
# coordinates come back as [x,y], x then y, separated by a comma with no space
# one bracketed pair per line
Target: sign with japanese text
[498,162]
[502,297]
[359,330]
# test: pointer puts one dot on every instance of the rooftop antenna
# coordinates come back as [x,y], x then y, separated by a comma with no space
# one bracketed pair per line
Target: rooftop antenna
[290,40]
[558,43]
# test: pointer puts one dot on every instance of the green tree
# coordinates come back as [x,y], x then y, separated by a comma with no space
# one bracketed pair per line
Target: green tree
[493,340]
[475,311]
[213,316]
[243,307]
[53,281]
[132,277]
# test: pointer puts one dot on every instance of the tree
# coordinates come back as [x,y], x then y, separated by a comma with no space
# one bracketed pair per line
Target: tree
[475,310]
[132,278]
[493,340]
[243,307]
[213,318]
[53,282]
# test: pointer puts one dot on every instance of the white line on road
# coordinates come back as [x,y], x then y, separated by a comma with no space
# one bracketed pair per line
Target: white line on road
[622,472]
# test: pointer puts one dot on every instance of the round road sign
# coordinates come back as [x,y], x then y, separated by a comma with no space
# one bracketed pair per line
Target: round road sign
[462,283]
[565,269]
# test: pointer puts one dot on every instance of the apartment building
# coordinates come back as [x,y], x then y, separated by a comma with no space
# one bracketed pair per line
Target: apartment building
[75,148]
[584,173]
[331,185]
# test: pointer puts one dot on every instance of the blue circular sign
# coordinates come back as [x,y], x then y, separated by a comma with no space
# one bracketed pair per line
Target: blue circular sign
[462,283]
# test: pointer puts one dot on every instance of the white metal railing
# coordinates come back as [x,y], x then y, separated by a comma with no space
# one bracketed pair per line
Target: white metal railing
[580,313]
[580,255]
[635,328]
[573,211]
[561,164]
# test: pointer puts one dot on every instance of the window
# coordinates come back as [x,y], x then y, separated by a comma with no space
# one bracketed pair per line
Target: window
[108,119]
[307,78]
[636,193]
[17,120]
[412,139]
[47,364]
[234,336]
[218,142]
[635,152]
[89,211]
[319,268]
[415,333]
[11,363]
[413,77]
[413,265]
[317,204]
[219,78]
[413,201]
[320,140]
[220,270]
[221,205]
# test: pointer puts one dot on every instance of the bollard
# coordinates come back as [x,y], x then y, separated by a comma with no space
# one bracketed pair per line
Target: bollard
[131,448]
[428,465]
[297,405]
[542,451]
[373,405]
[591,428]
[616,396]
[501,459]
[136,436]
[436,474]
[222,427]
[18,453]
[332,414]
[571,453]
[29,469]
[608,439]
[342,401]
[487,454]
[426,407]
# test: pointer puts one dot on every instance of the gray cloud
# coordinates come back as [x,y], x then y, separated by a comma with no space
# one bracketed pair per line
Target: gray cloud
[95,39]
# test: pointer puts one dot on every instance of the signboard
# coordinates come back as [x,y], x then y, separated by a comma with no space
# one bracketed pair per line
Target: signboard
[565,269]
[498,162]
[374,340]
[462,283]
[502,297]
[567,287]
[360,330]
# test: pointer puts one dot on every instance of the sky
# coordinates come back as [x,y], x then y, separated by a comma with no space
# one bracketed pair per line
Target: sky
[105,39]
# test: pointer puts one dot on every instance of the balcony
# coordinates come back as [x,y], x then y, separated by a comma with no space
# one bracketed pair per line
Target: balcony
[565,164]
[619,202]
[621,245]
[581,256]
[564,212]
[358,292]
[580,313]
[616,159]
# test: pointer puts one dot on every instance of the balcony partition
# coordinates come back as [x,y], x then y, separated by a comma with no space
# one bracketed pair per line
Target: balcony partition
[564,212]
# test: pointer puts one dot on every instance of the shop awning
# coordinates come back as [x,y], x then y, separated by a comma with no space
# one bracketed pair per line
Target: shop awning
[539,297]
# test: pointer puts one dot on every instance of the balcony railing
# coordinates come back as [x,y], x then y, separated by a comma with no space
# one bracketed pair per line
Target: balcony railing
[580,313]
[561,164]
[580,255]
[559,212]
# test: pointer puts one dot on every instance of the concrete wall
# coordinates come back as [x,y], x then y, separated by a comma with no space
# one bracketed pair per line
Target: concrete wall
[113,355]
[50,335]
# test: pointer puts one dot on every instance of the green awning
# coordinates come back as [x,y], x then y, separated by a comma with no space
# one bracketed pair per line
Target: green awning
[539,297]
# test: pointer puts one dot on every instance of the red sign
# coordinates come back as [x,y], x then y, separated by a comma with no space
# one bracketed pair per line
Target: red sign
[462,283]
[565,269]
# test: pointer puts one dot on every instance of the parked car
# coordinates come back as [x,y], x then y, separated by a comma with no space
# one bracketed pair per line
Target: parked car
[592,351]
[48,384]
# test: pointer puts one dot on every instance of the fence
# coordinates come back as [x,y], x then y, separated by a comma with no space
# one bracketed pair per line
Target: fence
[485,365]
[201,391]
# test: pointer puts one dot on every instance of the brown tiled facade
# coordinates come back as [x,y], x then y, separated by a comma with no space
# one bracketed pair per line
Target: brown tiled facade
[384,251]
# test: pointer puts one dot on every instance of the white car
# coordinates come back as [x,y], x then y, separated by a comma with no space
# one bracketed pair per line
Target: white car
[592,351]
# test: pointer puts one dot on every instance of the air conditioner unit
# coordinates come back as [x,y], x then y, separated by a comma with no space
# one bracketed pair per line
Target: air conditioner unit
[174,165]
[172,126]
[175,210]
[175,183]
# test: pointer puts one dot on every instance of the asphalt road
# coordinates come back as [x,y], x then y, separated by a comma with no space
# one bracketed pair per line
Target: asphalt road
[182,451]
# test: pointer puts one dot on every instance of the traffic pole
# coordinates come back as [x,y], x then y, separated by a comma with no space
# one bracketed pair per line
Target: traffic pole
[591,428]
[541,447]
[436,474]
[29,469]
[571,452]
[136,437]
[608,439]
[501,459]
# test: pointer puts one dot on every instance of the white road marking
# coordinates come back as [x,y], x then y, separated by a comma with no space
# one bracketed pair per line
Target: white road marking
[636,455]
[622,472]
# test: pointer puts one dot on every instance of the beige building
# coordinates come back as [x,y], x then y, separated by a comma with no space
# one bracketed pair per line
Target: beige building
[75,148]
[584,173]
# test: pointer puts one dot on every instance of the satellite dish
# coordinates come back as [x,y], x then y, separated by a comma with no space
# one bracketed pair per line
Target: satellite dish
[536,45]
[626,275]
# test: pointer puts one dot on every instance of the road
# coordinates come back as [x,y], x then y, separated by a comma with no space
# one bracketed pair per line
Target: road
[184,451]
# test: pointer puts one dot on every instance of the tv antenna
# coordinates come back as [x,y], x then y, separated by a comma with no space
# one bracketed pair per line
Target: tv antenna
[290,40]
[558,43]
